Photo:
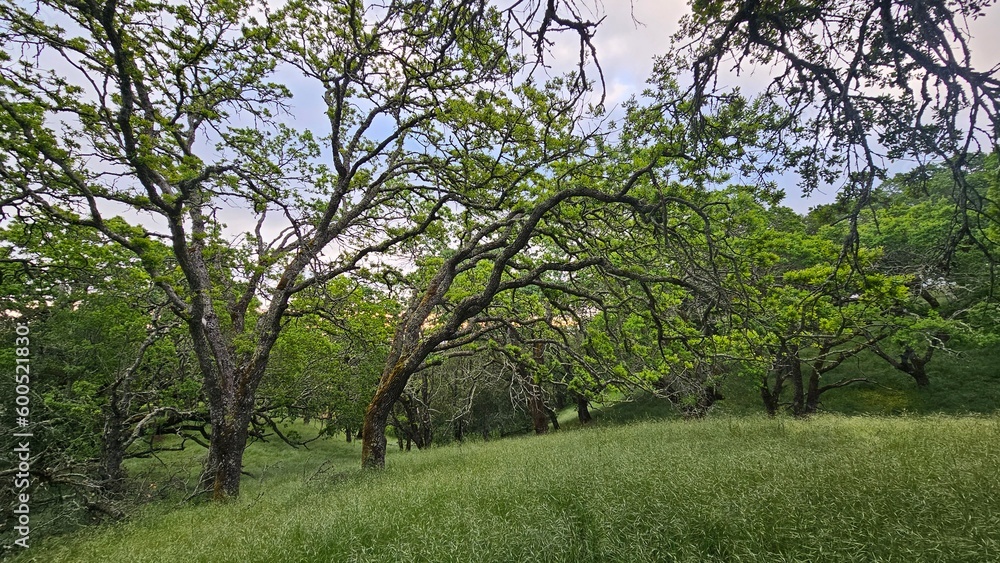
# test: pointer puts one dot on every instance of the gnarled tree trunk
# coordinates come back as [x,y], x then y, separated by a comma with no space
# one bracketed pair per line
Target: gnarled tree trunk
[916,366]
[224,466]
[373,442]
[230,409]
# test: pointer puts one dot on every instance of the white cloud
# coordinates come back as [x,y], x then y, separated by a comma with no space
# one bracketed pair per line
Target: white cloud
[631,35]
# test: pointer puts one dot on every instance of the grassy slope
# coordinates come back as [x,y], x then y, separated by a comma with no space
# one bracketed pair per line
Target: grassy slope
[735,489]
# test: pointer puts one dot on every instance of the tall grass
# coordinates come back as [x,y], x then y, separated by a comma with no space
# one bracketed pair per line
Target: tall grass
[725,489]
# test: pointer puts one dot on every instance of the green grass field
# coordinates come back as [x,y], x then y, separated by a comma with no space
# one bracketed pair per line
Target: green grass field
[831,488]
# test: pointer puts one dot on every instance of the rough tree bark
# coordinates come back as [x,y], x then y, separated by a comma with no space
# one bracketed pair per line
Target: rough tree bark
[373,442]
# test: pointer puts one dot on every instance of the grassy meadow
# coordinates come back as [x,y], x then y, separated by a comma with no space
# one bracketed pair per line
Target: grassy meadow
[832,488]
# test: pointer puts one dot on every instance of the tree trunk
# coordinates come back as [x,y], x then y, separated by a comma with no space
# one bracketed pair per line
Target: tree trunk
[786,366]
[230,410]
[536,406]
[812,394]
[112,451]
[910,363]
[115,436]
[583,410]
[771,397]
[919,375]
[405,356]
[798,393]
[373,437]
[794,370]
[553,418]
[710,396]
[916,366]
[224,465]
[377,415]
